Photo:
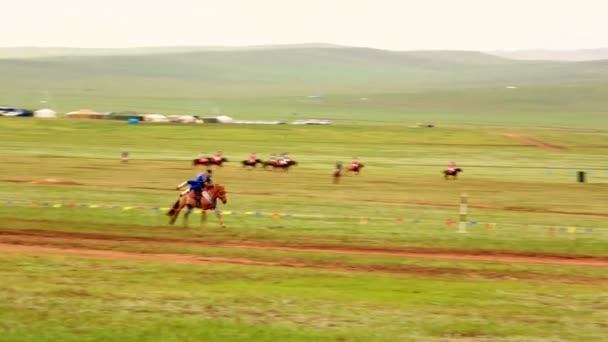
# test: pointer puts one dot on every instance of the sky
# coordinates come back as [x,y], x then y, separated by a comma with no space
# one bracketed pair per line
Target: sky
[385,24]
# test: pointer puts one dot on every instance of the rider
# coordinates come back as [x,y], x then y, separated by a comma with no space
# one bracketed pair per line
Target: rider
[283,159]
[355,163]
[197,184]
[218,156]
[252,157]
[452,167]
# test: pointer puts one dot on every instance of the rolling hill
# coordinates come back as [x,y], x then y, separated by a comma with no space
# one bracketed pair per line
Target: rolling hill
[182,80]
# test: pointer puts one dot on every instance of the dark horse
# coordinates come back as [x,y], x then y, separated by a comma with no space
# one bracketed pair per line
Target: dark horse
[252,163]
[337,174]
[275,164]
[356,168]
[208,202]
[208,161]
[454,174]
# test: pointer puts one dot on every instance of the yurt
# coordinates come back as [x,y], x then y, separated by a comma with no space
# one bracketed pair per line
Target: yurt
[45,113]
[85,114]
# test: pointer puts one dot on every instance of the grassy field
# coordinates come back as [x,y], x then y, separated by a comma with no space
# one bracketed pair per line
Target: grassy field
[86,252]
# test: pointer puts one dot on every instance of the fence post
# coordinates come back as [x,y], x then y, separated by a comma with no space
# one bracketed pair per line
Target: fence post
[462,226]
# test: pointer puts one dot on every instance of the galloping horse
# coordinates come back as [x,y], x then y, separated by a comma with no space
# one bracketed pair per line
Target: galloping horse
[207,161]
[275,164]
[208,202]
[454,173]
[252,163]
[356,168]
[337,174]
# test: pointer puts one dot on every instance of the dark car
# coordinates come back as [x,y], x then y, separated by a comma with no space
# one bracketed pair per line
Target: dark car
[11,111]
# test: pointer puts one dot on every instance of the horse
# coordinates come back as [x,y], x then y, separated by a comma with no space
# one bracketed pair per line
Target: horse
[356,168]
[275,164]
[252,163]
[454,174]
[337,174]
[208,201]
[207,161]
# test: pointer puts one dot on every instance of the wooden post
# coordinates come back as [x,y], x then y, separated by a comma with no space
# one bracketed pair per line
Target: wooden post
[462,226]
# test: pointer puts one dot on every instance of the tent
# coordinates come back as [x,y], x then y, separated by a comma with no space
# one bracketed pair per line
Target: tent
[45,113]
[155,118]
[85,114]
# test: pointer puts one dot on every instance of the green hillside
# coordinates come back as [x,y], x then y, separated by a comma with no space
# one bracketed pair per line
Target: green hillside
[275,82]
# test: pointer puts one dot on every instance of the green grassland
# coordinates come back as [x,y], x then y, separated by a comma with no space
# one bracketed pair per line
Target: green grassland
[86,252]
[308,295]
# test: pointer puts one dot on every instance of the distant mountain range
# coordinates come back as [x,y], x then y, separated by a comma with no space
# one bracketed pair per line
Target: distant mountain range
[272,71]
[534,54]
[555,55]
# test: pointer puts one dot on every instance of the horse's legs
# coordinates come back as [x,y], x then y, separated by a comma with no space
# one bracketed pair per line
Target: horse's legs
[219,217]
[186,215]
[203,216]
[174,212]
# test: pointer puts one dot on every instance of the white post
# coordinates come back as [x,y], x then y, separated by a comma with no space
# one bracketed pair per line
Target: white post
[462,226]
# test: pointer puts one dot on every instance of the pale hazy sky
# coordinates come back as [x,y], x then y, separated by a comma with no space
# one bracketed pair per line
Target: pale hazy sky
[386,24]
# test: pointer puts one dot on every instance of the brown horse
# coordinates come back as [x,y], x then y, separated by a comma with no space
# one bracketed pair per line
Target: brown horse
[252,163]
[208,161]
[275,164]
[454,174]
[208,202]
[337,174]
[356,168]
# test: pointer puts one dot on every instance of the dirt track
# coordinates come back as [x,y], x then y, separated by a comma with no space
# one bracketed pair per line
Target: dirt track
[50,238]
[532,142]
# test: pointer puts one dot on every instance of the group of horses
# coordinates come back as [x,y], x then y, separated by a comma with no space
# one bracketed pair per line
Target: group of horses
[275,164]
[215,192]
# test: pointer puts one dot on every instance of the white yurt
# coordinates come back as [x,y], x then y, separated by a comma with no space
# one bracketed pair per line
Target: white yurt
[45,113]
[155,118]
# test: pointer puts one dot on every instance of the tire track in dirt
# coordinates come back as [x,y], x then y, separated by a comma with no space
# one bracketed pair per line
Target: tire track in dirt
[421,253]
[526,140]
[324,266]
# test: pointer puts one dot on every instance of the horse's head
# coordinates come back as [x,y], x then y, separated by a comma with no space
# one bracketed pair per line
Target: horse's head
[220,192]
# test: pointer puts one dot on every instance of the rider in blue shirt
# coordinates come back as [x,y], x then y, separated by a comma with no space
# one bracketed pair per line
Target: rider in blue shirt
[197,185]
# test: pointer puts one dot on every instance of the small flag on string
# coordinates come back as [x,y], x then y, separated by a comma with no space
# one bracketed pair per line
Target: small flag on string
[363,220]
[399,219]
[571,230]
